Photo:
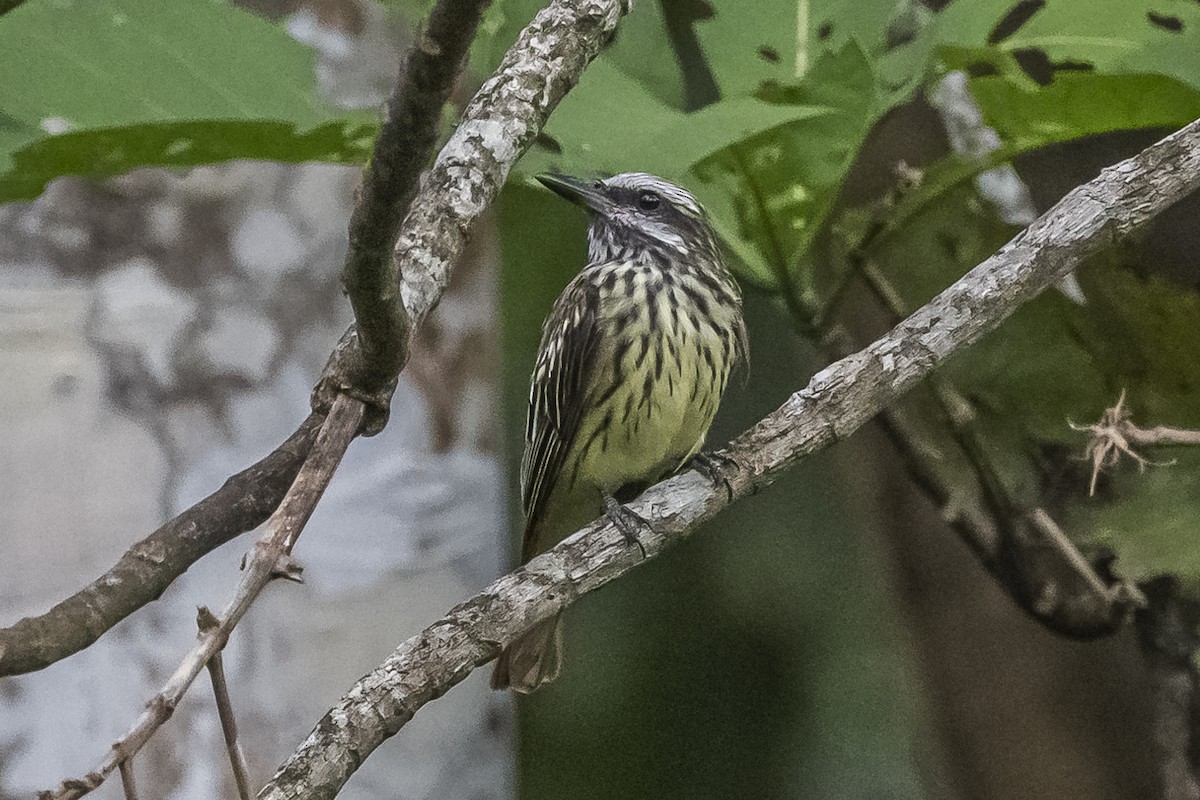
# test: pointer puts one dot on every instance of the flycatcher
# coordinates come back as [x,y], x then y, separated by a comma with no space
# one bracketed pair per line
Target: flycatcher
[634,358]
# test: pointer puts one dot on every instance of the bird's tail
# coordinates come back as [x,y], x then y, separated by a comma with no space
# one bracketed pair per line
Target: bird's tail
[532,660]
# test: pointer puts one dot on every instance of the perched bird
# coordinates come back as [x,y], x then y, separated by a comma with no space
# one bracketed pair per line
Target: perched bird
[634,358]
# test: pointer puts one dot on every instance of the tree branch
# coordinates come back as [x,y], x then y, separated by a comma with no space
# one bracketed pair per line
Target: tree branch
[270,558]
[205,619]
[390,182]
[151,565]
[837,401]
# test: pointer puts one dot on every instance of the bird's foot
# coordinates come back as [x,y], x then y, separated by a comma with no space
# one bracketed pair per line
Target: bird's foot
[712,465]
[628,522]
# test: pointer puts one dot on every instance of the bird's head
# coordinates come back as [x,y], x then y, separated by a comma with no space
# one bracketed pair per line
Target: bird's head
[635,215]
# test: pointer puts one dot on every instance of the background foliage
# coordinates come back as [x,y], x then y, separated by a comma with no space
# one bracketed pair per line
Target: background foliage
[776,654]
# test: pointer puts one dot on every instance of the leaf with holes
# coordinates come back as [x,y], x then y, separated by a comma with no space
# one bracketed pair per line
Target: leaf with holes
[1041,39]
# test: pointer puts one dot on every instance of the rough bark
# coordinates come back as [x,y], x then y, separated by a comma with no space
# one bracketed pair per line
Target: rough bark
[151,565]
[390,182]
[837,401]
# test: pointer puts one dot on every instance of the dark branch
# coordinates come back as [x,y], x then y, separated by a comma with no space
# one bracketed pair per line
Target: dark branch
[390,182]
[837,401]
[150,566]
[1167,633]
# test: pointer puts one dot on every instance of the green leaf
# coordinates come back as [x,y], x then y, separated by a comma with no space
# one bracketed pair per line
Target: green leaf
[1028,117]
[109,85]
[611,123]
[1107,36]
[1149,519]
[782,183]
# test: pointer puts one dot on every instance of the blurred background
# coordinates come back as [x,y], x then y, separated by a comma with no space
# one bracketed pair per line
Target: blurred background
[166,309]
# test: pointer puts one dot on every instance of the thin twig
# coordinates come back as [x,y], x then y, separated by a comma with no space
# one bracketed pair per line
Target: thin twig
[269,558]
[1126,594]
[216,671]
[145,571]
[837,401]
[127,780]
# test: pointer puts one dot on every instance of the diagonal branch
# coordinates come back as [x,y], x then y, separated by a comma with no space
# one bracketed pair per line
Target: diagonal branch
[270,558]
[837,401]
[151,565]
[205,619]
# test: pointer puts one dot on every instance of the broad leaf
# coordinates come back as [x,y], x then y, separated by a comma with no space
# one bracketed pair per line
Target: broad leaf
[109,85]
[1107,36]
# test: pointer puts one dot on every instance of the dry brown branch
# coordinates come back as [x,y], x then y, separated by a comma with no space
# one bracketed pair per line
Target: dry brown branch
[145,571]
[205,619]
[269,558]
[389,184]
[1116,435]
[127,780]
[837,401]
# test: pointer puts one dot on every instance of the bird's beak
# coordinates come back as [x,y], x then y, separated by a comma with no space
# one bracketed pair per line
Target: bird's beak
[578,191]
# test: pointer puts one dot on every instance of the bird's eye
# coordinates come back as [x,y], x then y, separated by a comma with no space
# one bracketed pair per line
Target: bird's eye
[648,201]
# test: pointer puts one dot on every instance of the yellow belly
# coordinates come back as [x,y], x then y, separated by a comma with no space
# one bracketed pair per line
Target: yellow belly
[667,389]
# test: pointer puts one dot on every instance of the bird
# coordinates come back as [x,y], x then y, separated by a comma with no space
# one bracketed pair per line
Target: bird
[634,358]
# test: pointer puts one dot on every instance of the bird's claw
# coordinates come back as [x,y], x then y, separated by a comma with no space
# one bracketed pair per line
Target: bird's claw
[712,465]
[628,522]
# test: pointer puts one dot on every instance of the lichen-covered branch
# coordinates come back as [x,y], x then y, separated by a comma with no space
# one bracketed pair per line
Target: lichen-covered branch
[389,183]
[150,566]
[837,401]
[498,126]
[270,558]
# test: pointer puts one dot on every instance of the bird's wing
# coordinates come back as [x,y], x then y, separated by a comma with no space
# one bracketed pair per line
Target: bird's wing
[557,397]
